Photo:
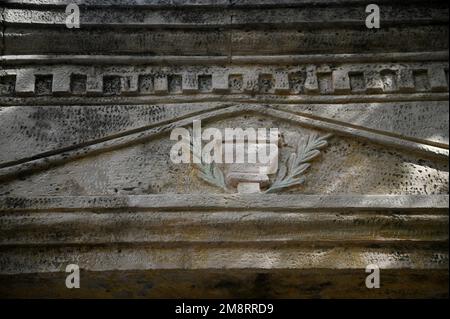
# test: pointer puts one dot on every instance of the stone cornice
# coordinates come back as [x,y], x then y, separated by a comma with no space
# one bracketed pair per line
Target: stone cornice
[311,17]
[207,3]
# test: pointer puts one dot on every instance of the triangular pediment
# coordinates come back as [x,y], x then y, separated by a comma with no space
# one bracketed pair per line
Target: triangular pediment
[128,161]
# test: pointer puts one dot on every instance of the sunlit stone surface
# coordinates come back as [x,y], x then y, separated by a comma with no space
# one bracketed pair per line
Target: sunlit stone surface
[85,171]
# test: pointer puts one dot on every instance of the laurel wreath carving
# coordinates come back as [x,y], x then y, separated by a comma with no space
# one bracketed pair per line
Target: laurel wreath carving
[291,174]
[210,173]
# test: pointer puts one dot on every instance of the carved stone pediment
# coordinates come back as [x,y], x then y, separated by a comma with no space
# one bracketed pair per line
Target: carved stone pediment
[138,161]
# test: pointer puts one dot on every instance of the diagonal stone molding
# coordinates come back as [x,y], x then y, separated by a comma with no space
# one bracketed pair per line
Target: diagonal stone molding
[44,160]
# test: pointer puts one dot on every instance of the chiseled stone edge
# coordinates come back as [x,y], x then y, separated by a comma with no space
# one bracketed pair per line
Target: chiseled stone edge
[202,3]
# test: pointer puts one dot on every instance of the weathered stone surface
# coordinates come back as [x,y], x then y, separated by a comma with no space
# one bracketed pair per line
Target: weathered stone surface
[376,78]
[39,129]
[312,16]
[272,218]
[85,170]
[128,166]
[242,283]
[302,27]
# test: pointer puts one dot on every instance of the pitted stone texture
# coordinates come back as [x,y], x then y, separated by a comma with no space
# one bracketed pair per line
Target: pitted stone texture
[211,42]
[160,42]
[190,28]
[337,79]
[81,226]
[7,85]
[15,260]
[242,283]
[88,112]
[33,130]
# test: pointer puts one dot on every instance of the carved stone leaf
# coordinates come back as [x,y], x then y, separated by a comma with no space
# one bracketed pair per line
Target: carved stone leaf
[297,163]
[300,169]
[210,173]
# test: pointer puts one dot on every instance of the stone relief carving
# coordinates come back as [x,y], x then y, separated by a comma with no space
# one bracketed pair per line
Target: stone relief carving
[291,173]
[85,174]
[72,81]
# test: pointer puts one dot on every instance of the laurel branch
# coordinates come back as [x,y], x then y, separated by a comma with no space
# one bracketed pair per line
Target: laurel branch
[292,173]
